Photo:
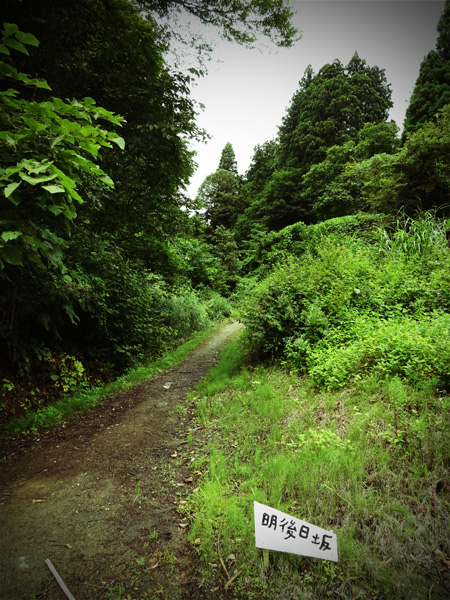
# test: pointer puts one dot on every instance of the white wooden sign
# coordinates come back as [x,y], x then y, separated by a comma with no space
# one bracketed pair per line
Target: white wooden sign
[275,530]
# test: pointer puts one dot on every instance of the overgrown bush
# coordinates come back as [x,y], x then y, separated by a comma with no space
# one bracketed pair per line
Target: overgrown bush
[307,296]
[412,349]
[348,307]
[185,314]
[267,250]
[217,307]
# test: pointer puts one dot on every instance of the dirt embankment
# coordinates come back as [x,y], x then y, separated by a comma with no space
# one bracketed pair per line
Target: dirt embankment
[101,497]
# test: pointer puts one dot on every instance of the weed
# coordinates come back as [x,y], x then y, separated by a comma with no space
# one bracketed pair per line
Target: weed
[367,463]
[116,593]
[138,492]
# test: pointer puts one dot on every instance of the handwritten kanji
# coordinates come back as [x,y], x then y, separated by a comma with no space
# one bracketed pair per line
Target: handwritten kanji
[304,532]
[269,521]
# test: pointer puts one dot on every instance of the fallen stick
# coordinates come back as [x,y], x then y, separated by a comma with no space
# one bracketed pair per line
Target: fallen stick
[218,552]
[233,579]
[61,583]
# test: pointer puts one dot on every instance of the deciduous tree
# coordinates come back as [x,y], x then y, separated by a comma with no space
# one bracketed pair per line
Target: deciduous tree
[237,20]
[219,194]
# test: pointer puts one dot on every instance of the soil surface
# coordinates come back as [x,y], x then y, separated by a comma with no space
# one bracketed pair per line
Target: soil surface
[102,497]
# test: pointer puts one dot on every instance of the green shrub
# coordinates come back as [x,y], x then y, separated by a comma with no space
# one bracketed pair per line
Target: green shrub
[307,296]
[217,307]
[413,350]
[185,314]
[349,307]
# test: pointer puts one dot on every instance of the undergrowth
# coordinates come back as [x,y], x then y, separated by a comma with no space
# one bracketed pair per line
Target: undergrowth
[86,398]
[370,462]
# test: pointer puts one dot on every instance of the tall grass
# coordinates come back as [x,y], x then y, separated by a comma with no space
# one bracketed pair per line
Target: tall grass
[369,462]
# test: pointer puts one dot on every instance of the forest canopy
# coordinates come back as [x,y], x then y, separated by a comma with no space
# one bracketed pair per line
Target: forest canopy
[105,260]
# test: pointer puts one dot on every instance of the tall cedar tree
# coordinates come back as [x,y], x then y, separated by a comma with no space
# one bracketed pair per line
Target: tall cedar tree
[228,159]
[329,109]
[432,89]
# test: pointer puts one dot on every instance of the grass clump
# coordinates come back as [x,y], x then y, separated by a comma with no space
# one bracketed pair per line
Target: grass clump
[370,462]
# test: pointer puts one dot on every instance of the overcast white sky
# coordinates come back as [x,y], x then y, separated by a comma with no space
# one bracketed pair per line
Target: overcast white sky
[247,93]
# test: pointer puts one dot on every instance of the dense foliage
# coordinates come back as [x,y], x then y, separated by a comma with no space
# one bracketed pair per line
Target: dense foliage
[96,260]
[334,246]
[104,260]
[432,90]
[343,308]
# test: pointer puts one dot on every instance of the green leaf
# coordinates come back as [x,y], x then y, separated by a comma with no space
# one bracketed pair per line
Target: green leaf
[88,130]
[107,179]
[56,209]
[70,212]
[10,235]
[12,255]
[34,166]
[33,124]
[4,49]
[54,189]
[9,29]
[27,38]
[17,46]
[41,83]
[12,187]
[119,141]
[36,180]
[75,195]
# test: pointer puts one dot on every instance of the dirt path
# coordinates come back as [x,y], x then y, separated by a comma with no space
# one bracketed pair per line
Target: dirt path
[101,497]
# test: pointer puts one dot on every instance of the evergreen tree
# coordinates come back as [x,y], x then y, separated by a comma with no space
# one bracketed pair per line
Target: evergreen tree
[330,108]
[432,89]
[259,173]
[219,194]
[228,159]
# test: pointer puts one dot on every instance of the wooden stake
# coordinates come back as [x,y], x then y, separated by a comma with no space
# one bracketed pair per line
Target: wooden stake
[61,583]
[266,559]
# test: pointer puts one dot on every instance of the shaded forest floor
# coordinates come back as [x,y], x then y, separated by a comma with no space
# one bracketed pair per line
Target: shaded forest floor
[102,496]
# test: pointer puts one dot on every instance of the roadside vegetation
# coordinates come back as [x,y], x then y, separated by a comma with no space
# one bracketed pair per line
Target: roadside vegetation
[81,397]
[332,249]
[343,422]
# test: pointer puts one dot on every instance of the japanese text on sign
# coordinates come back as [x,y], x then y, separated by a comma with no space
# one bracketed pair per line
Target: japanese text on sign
[275,530]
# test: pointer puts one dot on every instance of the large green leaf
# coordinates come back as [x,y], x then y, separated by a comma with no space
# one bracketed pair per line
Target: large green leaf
[54,189]
[119,141]
[27,38]
[12,187]
[36,180]
[11,255]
